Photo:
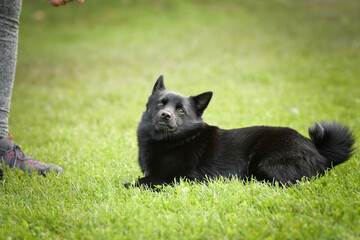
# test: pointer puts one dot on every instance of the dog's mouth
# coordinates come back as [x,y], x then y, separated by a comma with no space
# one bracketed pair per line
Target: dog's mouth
[165,127]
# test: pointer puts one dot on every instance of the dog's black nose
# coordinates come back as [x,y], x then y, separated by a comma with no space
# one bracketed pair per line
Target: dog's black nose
[165,115]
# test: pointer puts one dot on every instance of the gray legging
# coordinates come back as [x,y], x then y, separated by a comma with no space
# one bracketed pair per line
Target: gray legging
[9,29]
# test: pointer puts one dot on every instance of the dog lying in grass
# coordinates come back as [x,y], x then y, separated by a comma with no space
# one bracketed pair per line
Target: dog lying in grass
[175,143]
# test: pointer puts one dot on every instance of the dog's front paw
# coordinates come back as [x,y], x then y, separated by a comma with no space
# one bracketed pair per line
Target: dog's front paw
[128,185]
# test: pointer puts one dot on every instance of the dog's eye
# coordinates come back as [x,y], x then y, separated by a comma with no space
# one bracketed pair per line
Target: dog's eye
[181,110]
[160,104]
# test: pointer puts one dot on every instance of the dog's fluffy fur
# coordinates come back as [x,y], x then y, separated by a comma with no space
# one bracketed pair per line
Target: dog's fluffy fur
[175,143]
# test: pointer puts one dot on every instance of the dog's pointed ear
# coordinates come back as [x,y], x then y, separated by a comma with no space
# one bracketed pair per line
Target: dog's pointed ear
[159,85]
[202,101]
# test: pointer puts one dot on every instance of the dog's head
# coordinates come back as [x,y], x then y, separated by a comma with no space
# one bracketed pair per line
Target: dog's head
[171,113]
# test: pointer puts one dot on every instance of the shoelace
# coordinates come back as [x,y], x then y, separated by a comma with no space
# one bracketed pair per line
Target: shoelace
[19,155]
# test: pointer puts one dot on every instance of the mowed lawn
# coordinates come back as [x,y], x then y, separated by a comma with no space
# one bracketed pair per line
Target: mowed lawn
[83,77]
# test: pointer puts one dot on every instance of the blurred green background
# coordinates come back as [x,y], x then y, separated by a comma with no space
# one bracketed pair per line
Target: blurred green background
[83,77]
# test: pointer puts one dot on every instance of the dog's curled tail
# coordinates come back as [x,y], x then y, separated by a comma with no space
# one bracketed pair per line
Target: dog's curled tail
[334,141]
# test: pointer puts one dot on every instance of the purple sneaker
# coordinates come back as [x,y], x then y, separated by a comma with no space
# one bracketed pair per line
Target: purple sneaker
[12,155]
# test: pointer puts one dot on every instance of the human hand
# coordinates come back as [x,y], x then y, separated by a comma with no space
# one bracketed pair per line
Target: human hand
[57,3]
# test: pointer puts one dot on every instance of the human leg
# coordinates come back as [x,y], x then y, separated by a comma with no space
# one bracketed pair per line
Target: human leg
[9,29]
[10,153]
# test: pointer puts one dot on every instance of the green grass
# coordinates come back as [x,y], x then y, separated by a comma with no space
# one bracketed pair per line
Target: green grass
[83,77]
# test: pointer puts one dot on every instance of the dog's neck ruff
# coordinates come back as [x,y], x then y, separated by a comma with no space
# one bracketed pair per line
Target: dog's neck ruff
[187,139]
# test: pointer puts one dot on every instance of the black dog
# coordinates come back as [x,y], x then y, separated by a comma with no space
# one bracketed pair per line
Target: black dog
[175,143]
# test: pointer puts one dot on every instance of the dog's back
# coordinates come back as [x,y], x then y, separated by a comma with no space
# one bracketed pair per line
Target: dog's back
[272,153]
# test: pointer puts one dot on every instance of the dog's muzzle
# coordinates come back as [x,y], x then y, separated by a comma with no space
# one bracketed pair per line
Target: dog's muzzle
[165,121]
